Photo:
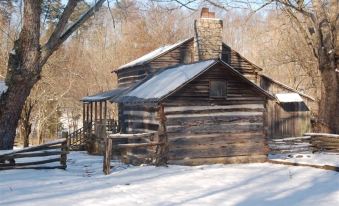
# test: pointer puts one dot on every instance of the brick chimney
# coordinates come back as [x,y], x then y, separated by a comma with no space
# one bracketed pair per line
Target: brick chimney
[208,36]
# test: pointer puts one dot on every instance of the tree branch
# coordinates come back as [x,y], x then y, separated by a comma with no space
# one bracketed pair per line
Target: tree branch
[60,27]
[60,35]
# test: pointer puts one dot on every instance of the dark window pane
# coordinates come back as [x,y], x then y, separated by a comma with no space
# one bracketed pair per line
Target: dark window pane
[218,88]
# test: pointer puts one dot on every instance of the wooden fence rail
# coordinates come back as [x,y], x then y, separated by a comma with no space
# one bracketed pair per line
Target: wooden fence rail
[290,145]
[324,142]
[153,141]
[310,142]
[55,151]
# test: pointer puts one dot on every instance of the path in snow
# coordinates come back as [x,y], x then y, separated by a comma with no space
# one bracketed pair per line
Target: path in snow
[83,183]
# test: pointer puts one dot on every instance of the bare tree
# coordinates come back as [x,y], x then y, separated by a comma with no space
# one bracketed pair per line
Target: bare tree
[27,59]
[317,22]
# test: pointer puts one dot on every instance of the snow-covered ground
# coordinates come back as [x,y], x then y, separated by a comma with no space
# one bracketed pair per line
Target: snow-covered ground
[83,183]
[315,159]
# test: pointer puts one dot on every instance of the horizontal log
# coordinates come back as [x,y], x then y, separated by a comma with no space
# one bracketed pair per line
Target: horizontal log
[33,163]
[139,113]
[35,168]
[213,120]
[217,144]
[205,129]
[131,136]
[136,145]
[325,139]
[38,147]
[217,108]
[35,154]
[220,160]
[223,151]
[170,101]
[225,114]
[139,130]
[215,139]
[144,108]
[322,135]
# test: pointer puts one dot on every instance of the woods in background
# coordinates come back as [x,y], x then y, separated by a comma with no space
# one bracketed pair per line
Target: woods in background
[128,29]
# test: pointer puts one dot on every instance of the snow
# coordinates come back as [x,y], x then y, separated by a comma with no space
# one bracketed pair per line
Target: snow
[152,55]
[310,158]
[105,95]
[83,183]
[3,87]
[166,81]
[289,97]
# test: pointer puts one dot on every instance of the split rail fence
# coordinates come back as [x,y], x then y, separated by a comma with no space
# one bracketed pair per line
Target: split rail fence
[52,155]
[310,142]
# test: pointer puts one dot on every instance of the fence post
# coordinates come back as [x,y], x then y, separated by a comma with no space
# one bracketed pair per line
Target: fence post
[64,151]
[66,136]
[107,156]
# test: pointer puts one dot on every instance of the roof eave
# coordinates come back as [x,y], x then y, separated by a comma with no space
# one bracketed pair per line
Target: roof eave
[288,87]
[247,80]
[123,68]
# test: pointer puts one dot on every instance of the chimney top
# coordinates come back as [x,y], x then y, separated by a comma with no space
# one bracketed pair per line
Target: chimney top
[205,13]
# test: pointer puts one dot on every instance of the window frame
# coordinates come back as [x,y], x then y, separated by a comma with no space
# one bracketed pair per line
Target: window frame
[210,88]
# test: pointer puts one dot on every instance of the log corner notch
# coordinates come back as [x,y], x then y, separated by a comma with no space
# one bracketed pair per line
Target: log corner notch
[163,148]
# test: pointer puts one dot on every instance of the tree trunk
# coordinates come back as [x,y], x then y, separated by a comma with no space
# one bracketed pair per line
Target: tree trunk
[12,103]
[329,103]
[23,71]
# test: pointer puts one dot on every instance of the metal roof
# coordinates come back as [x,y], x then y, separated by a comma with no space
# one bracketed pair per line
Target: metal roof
[287,87]
[103,96]
[164,82]
[153,55]
[289,97]
[3,87]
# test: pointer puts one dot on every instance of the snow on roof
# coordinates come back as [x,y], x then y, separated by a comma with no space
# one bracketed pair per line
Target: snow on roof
[102,96]
[287,87]
[153,54]
[165,81]
[3,87]
[289,97]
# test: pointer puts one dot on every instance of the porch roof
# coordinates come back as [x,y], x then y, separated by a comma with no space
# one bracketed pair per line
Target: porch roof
[103,96]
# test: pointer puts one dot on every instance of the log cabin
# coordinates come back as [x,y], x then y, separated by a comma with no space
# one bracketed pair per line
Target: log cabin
[210,103]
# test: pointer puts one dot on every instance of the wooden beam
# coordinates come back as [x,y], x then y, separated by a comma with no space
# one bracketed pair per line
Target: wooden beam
[87,114]
[92,112]
[130,136]
[100,111]
[95,111]
[135,145]
[105,111]
[29,167]
[107,156]
[83,114]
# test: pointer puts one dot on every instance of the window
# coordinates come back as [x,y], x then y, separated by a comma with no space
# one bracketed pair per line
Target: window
[218,88]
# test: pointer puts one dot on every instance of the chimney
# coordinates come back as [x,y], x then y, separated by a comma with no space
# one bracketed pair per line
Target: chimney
[208,36]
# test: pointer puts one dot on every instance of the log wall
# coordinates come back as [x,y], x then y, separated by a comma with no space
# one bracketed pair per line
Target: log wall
[287,120]
[287,123]
[185,54]
[239,63]
[140,118]
[204,130]
[181,54]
